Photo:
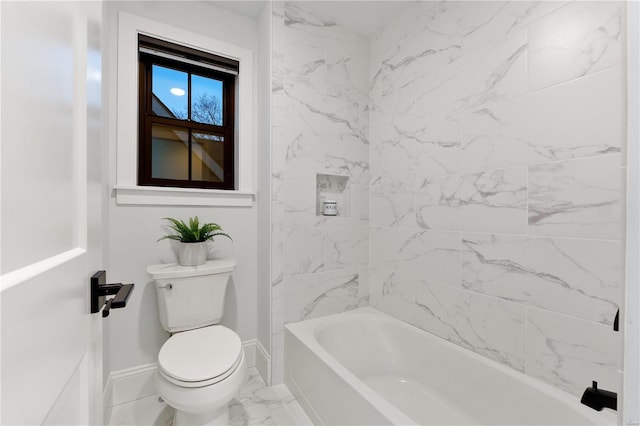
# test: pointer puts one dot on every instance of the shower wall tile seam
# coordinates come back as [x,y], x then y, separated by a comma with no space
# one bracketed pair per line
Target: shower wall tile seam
[526,341]
[494,169]
[499,299]
[530,92]
[598,15]
[484,295]
[514,166]
[324,271]
[529,307]
[541,236]
[573,317]
[499,234]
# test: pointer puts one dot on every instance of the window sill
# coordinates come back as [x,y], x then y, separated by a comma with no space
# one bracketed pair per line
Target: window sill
[154,195]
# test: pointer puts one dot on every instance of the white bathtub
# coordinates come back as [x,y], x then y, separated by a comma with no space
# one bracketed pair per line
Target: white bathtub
[365,367]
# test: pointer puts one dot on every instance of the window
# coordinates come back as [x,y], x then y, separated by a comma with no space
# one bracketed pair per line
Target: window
[126,111]
[186,116]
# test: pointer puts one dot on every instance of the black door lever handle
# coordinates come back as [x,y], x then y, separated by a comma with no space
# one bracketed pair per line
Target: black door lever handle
[120,301]
[100,290]
[107,308]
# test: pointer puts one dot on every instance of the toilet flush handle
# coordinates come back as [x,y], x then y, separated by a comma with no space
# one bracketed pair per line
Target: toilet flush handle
[168,286]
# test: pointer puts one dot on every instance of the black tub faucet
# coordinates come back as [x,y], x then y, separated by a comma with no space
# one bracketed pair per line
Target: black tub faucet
[599,399]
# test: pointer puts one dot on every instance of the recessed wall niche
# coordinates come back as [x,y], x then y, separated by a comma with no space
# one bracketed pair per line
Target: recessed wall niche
[333,187]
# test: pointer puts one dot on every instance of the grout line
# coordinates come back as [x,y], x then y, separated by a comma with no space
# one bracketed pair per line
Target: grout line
[505,234]
[526,334]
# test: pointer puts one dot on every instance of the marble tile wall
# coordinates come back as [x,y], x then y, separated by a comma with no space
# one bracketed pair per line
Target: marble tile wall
[496,181]
[484,146]
[320,126]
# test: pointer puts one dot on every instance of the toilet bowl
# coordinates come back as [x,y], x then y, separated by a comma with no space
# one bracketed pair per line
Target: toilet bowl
[199,373]
[202,366]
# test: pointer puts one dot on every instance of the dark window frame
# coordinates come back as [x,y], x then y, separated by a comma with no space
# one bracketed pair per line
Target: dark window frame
[147,118]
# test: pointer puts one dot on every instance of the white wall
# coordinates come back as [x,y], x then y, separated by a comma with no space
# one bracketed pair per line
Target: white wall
[264,188]
[135,332]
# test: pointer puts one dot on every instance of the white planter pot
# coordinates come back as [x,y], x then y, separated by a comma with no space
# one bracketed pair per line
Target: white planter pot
[192,254]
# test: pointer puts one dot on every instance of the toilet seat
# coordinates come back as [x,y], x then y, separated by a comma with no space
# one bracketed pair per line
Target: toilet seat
[200,357]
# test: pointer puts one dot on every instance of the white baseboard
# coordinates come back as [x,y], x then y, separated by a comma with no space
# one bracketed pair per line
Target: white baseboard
[133,383]
[263,363]
[137,382]
[249,347]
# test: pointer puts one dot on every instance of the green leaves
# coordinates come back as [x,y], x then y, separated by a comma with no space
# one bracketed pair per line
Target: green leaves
[192,232]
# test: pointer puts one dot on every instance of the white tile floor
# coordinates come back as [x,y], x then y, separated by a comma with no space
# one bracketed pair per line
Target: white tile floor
[256,404]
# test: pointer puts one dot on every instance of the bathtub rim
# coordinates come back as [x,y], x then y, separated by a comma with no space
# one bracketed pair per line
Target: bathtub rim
[306,331]
[393,414]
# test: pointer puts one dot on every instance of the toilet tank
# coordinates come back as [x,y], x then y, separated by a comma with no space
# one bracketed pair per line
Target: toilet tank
[191,296]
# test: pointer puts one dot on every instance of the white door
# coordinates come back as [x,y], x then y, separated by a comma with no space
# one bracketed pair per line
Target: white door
[51,212]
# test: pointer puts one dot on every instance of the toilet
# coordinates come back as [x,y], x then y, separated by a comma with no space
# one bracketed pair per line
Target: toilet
[202,366]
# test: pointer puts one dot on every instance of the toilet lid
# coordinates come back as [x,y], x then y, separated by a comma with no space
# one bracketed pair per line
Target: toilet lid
[200,354]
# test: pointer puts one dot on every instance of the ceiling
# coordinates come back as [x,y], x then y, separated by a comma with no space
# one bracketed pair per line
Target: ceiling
[251,9]
[364,17]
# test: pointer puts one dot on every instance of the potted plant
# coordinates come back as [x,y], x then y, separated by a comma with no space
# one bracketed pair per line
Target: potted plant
[192,238]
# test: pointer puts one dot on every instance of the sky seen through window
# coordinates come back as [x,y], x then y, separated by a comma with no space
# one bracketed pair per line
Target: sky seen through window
[204,91]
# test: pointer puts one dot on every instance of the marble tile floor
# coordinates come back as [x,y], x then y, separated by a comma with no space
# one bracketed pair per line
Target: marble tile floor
[257,404]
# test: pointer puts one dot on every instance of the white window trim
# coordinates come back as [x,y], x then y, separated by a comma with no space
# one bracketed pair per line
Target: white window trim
[127,189]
